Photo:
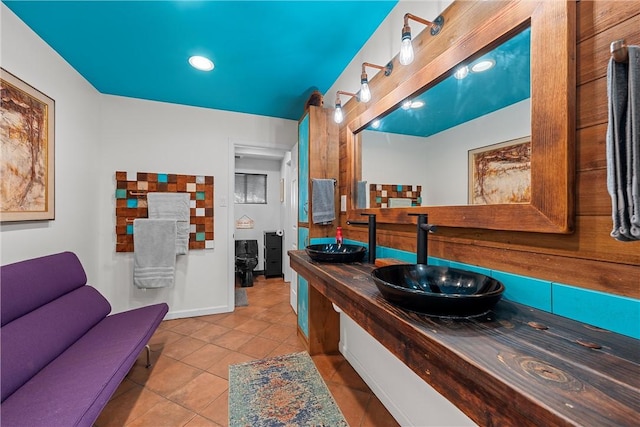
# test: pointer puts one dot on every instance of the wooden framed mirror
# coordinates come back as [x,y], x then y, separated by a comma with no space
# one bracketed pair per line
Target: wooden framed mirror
[471,29]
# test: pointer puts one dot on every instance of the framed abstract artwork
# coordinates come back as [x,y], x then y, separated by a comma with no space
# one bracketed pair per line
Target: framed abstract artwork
[26,151]
[500,173]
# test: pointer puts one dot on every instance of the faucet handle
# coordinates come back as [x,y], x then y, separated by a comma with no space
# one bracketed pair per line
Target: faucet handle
[431,228]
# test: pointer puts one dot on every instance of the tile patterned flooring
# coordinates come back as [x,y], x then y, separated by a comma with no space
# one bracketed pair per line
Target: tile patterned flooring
[188,382]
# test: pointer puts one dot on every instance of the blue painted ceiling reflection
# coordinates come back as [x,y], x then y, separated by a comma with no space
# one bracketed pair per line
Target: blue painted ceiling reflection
[454,101]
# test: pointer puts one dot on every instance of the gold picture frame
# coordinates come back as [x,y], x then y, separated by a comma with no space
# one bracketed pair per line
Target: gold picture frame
[27,144]
[501,173]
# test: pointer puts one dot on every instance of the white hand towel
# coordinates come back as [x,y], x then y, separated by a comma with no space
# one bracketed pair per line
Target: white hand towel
[173,206]
[154,259]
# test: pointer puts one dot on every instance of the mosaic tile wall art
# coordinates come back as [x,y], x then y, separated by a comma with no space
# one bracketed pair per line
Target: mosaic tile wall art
[131,203]
[379,194]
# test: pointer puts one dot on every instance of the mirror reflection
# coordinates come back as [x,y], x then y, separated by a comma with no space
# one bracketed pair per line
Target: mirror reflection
[465,140]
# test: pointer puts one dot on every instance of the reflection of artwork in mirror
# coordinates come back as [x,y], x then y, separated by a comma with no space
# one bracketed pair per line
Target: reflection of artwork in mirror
[427,140]
[500,173]
[27,151]
[394,195]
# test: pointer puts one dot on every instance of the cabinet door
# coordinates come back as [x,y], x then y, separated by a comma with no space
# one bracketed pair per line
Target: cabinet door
[303,169]
[303,237]
[303,305]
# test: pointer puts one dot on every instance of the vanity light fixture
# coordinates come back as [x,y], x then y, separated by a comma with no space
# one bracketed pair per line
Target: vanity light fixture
[338,115]
[201,63]
[406,49]
[365,92]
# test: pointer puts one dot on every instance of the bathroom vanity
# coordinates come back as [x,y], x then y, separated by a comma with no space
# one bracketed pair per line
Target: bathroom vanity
[516,366]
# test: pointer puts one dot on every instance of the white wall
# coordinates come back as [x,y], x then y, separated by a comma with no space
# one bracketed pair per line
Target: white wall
[99,134]
[266,217]
[148,136]
[77,116]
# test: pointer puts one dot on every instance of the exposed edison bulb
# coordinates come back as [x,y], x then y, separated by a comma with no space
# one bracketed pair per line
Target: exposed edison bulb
[406,50]
[338,117]
[461,72]
[365,92]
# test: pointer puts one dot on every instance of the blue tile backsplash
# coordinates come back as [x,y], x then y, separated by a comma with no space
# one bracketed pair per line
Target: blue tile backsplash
[607,311]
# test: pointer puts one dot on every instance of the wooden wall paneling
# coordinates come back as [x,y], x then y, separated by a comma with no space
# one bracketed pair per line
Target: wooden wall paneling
[602,276]
[592,103]
[596,16]
[594,53]
[590,148]
[593,197]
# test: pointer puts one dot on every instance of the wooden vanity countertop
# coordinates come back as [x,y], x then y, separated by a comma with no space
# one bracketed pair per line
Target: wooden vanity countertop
[516,366]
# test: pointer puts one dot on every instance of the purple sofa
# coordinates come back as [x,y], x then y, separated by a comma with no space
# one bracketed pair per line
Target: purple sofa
[62,355]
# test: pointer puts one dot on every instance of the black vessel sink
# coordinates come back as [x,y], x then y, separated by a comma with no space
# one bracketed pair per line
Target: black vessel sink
[438,291]
[333,252]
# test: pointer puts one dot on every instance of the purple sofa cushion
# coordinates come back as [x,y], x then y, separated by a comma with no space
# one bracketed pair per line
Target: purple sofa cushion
[30,284]
[74,388]
[30,342]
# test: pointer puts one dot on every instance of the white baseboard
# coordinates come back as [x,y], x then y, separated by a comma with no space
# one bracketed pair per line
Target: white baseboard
[197,312]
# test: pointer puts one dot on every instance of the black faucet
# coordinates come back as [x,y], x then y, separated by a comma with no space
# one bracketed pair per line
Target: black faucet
[372,235]
[372,238]
[422,246]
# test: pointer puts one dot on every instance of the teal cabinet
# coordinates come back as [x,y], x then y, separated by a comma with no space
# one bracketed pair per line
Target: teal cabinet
[318,157]
[303,306]
[303,287]
[303,169]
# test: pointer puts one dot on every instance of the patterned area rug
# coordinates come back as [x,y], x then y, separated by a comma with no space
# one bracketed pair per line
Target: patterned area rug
[281,391]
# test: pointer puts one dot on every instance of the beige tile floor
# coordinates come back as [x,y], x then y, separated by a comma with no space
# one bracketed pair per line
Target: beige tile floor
[188,382]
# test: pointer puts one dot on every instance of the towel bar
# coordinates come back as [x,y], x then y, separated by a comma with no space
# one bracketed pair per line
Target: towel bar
[619,51]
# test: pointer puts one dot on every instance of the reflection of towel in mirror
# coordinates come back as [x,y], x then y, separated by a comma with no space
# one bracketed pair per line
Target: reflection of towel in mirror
[361,195]
[173,206]
[154,257]
[623,145]
[322,201]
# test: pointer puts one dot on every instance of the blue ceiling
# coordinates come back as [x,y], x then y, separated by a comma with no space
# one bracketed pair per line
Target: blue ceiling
[269,55]
[454,101]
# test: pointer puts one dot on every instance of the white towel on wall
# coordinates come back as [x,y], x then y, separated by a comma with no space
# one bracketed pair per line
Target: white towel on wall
[174,206]
[154,258]
[623,146]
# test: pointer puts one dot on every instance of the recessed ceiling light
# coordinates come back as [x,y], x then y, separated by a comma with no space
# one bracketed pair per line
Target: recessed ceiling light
[480,66]
[406,104]
[375,124]
[417,104]
[201,63]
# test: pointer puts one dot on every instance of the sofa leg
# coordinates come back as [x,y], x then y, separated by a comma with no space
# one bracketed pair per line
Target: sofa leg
[148,356]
